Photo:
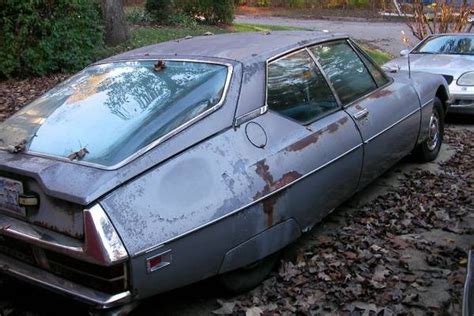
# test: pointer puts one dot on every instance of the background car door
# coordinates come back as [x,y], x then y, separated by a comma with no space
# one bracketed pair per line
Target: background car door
[310,134]
[386,111]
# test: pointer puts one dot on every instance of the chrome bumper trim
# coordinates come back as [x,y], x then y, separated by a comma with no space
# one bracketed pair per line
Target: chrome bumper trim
[59,285]
[101,245]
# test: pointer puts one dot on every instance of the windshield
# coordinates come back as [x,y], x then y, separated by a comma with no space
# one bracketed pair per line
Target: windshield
[108,112]
[448,44]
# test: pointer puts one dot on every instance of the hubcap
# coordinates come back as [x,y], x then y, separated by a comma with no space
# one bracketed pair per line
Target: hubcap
[433,136]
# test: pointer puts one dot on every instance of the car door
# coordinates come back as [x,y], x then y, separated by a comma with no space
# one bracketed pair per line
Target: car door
[385,111]
[311,134]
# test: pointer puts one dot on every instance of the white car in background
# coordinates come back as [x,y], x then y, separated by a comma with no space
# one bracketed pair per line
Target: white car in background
[451,55]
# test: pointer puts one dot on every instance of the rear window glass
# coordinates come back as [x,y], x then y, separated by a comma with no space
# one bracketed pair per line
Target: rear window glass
[114,110]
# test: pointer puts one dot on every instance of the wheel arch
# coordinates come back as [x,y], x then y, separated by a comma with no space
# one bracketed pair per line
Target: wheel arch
[443,95]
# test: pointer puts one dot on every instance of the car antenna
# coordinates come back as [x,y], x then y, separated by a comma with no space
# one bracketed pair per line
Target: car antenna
[406,42]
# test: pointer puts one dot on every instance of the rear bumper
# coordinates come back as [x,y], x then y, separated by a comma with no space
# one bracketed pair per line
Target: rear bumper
[59,285]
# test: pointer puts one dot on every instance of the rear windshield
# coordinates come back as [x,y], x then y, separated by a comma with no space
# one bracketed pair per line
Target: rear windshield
[108,112]
[448,44]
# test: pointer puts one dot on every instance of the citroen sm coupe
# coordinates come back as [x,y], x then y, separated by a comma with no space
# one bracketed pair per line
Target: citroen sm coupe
[197,158]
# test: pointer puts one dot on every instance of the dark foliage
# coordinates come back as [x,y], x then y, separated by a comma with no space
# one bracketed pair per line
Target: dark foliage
[213,11]
[44,36]
[160,10]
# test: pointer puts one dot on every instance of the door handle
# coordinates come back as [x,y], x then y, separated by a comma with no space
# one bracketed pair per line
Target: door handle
[361,114]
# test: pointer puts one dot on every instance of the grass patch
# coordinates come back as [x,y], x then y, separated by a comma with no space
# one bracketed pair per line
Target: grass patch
[379,56]
[144,36]
[149,35]
[244,27]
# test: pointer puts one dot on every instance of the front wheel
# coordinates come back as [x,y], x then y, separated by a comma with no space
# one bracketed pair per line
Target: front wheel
[429,149]
[247,278]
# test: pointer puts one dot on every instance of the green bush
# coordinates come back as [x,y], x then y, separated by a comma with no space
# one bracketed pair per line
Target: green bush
[138,15]
[183,20]
[160,10]
[213,11]
[38,37]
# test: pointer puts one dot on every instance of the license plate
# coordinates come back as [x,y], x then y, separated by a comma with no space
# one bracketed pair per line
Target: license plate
[10,190]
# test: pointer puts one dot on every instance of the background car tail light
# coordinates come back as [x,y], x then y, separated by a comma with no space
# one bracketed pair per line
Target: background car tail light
[159,261]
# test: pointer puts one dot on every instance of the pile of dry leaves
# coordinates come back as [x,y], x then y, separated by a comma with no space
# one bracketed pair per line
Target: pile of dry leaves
[403,253]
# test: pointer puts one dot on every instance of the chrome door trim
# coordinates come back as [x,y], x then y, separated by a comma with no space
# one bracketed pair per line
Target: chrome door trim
[391,126]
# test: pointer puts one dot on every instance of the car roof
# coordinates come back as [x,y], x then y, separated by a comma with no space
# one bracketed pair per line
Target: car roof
[246,48]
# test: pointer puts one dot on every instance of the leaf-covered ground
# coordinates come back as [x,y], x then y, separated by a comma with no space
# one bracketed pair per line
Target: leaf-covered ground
[403,253]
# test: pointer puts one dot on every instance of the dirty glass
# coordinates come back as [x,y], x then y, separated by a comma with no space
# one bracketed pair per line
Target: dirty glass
[297,89]
[377,74]
[448,44]
[107,112]
[345,70]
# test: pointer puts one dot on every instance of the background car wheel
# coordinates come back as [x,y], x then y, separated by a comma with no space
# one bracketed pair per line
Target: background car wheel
[428,150]
[247,278]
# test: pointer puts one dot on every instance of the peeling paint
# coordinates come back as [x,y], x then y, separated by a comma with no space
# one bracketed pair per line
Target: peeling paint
[263,170]
[314,137]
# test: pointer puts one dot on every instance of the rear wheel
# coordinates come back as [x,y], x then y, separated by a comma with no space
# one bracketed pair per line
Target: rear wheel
[429,149]
[247,278]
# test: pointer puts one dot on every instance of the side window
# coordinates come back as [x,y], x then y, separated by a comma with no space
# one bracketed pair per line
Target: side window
[297,89]
[345,70]
[376,73]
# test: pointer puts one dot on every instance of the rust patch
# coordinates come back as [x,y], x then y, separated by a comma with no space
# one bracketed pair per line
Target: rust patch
[305,142]
[332,127]
[343,120]
[269,207]
[380,94]
[313,138]
[263,170]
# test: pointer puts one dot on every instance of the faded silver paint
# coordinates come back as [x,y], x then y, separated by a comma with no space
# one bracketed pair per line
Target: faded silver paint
[208,195]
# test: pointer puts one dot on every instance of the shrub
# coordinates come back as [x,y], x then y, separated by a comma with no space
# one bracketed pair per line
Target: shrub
[160,10]
[213,11]
[41,37]
[138,15]
[182,19]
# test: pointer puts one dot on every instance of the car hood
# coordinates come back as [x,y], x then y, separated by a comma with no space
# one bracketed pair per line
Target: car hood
[452,65]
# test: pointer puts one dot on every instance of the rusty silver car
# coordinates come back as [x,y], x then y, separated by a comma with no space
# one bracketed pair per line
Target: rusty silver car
[199,157]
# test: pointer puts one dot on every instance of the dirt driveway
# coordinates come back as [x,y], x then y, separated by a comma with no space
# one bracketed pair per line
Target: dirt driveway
[385,35]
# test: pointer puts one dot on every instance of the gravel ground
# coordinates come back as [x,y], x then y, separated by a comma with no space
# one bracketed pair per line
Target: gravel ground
[397,248]
[385,35]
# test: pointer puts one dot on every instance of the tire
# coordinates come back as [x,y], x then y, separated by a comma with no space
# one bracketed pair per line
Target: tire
[429,149]
[247,278]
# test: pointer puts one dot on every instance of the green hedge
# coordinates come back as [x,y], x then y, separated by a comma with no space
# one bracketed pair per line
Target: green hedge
[38,37]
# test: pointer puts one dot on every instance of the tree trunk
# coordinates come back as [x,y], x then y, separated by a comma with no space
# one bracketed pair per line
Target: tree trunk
[116,29]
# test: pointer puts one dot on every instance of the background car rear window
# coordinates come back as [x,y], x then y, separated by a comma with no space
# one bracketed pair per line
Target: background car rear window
[345,70]
[297,89]
[114,110]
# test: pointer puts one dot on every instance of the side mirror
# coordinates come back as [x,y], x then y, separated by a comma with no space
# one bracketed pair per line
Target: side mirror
[404,52]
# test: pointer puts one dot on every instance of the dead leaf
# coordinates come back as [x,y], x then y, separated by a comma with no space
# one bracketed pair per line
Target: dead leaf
[226,308]
[253,311]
